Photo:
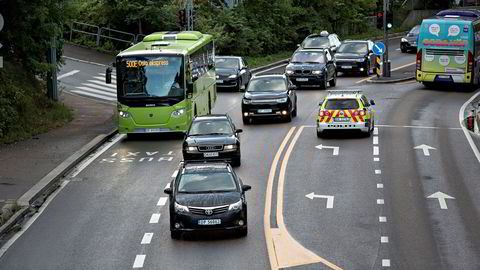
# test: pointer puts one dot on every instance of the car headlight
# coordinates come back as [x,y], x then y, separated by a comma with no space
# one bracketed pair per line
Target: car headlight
[235,206]
[217,76]
[180,208]
[230,146]
[360,59]
[191,148]
[316,72]
[404,40]
[178,112]
[289,72]
[247,101]
[282,100]
[123,114]
[233,76]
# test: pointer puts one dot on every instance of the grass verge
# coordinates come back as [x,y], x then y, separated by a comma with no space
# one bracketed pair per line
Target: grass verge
[25,110]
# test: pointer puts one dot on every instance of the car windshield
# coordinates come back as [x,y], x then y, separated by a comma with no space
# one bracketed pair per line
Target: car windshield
[203,182]
[308,57]
[415,30]
[226,62]
[210,127]
[357,48]
[341,104]
[151,77]
[267,85]
[316,42]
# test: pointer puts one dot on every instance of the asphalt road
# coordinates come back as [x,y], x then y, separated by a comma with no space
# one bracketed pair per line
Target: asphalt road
[111,214]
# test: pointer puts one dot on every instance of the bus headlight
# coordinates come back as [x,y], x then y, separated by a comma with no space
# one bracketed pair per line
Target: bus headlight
[233,76]
[178,113]
[123,114]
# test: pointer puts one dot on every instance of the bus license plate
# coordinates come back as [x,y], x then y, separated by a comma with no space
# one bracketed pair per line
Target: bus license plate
[264,110]
[302,79]
[341,119]
[219,81]
[209,222]
[210,154]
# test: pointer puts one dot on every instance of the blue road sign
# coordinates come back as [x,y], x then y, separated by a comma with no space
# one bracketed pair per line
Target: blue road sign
[378,48]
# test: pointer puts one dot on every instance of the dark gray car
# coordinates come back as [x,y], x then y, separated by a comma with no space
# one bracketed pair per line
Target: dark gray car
[409,42]
[232,72]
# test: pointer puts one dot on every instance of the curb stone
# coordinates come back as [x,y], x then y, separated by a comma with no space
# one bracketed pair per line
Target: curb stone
[392,80]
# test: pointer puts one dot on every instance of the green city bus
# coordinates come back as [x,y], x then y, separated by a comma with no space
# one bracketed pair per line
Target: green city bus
[448,45]
[165,81]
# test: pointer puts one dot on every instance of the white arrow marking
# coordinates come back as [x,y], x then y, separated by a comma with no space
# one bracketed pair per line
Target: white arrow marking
[441,198]
[380,50]
[328,197]
[335,148]
[426,149]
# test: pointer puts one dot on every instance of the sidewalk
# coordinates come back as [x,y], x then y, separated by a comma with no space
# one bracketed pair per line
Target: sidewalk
[399,75]
[25,163]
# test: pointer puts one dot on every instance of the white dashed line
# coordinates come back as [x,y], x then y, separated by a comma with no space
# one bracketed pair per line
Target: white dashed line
[380,201]
[155,218]
[375,139]
[375,150]
[386,263]
[162,201]
[379,185]
[384,239]
[382,219]
[376,159]
[375,131]
[378,171]
[147,238]
[139,260]
[175,174]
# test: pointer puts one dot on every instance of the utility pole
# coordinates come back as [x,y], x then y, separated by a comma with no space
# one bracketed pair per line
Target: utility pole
[52,91]
[386,69]
[189,14]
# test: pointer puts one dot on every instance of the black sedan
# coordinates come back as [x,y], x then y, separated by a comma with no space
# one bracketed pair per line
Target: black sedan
[309,67]
[354,56]
[232,72]
[207,196]
[409,42]
[212,137]
[269,96]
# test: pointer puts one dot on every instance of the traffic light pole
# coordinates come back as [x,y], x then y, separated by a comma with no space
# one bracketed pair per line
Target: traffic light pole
[189,14]
[386,66]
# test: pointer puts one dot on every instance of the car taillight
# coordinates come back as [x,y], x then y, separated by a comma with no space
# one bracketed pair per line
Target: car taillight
[323,113]
[358,113]
[419,59]
[470,62]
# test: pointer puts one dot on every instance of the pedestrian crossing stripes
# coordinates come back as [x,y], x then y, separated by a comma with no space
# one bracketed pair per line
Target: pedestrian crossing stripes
[97,88]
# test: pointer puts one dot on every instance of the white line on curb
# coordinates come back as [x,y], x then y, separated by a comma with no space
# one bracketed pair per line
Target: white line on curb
[461,114]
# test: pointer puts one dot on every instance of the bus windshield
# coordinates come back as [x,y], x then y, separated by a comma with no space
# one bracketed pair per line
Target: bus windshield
[151,77]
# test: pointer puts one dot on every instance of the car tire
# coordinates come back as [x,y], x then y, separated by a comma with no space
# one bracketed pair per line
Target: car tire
[236,162]
[319,134]
[403,49]
[239,85]
[294,112]
[246,120]
[242,232]
[288,118]
[323,86]
[175,235]
[333,81]
[367,70]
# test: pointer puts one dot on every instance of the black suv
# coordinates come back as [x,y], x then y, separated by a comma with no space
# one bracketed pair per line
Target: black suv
[212,137]
[232,72]
[207,196]
[269,96]
[354,56]
[324,40]
[312,67]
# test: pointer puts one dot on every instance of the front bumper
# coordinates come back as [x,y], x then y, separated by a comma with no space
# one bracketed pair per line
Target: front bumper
[189,222]
[226,82]
[363,126]
[228,156]
[350,66]
[255,110]
[298,79]
[128,125]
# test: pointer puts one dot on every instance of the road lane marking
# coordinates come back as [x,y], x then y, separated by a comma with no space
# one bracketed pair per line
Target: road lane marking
[139,260]
[461,115]
[162,201]
[378,171]
[376,159]
[175,174]
[384,239]
[73,72]
[379,185]
[375,131]
[375,139]
[386,263]
[147,238]
[380,201]
[426,127]
[382,219]
[100,87]
[375,150]
[154,218]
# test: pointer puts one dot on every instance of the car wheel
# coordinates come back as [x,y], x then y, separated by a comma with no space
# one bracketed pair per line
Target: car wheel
[246,120]
[367,70]
[242,232]
[323,85]
[288,118]
[175,235]
[236,162]
[319,134]
[294,112]
[403,48]
[333,81]
[239,85]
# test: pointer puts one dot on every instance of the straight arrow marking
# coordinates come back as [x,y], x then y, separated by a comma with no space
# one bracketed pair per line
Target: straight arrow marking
[426,149]
[441,198]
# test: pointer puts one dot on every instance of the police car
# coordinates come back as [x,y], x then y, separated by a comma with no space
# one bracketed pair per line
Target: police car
[345,109]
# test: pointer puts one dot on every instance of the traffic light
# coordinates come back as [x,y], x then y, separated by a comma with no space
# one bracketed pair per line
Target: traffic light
[181,18]
[389,20]
[379,16]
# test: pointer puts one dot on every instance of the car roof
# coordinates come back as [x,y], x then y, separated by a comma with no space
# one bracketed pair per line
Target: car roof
[210,117]
[192,167]
[312,49]
[333,94]
[272,75]
[356,41]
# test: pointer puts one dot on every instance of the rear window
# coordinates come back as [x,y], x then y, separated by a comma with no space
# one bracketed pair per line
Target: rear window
[316,42]
[341,104]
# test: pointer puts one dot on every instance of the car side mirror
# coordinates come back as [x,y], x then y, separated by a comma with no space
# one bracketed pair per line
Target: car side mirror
[239,130]
[246,187]
[298,45]
[372,102]
[168,190]
[108,75]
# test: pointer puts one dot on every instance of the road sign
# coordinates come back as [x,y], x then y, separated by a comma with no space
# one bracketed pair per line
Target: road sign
[379,48]
[328,197]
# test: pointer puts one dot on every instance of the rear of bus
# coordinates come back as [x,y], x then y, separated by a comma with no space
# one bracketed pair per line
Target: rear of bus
[445,51]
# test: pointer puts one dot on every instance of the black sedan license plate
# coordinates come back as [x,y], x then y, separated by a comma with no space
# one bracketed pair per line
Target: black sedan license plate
[209,222]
